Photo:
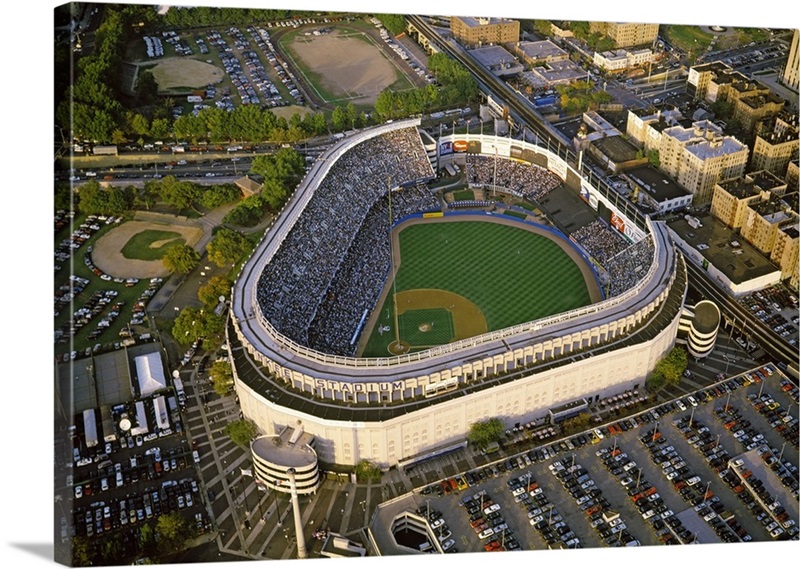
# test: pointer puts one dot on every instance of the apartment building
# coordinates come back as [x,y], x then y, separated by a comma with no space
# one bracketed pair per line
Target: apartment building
[625,34]
[764,219]
[539,52]
[481,31]
[622,59]
[644,126]
[776,144]
[700,156]
[732,197]
[790,73]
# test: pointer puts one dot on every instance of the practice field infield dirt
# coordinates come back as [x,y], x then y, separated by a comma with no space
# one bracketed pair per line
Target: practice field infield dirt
[107,254]
[175,72]
[345,67]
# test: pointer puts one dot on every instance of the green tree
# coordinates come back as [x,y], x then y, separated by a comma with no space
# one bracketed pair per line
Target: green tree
[653,157]
[210,292]
[160,128]
[339,119]
[188,326]
[146,87]
[247,213]
[241,432]
[542,27]
[669,369]
[221,375]
[63,197]
[81,551]
[178,193]
[171,531]
[211,197]
[484,432]
[180,259]
[137,124]
[96,200]
[395,23]
[227,247]
[147,539]
[366,471]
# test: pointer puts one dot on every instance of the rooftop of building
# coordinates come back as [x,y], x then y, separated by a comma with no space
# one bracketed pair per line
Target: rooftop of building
[762,101]
[616,148]
[656,183]
[474,22]
[752,184]
[706,317]
[704,139]
[737,267]
[559,71]
[713,66]
[540,49]
[614,54]
[284,450]
[492,55]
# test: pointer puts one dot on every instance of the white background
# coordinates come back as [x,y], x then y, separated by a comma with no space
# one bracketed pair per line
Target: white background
[27,371]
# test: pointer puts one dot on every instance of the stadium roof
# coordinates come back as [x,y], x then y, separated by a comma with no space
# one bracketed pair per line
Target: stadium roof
[150,373]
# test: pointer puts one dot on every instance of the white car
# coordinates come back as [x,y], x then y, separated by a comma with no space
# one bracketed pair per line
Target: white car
[488,532]
[448,544]
[437,523]
[490,509]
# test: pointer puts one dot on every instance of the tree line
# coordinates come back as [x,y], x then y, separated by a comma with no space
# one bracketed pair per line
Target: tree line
[457,87]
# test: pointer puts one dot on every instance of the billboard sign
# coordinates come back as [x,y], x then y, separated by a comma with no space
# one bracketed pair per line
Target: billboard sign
[618,222]
[460,146]
[446,148]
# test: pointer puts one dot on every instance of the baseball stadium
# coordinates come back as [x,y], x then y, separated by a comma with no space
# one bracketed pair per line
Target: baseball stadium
[384,321]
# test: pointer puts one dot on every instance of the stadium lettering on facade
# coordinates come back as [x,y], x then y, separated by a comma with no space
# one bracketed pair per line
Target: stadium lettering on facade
[360,387]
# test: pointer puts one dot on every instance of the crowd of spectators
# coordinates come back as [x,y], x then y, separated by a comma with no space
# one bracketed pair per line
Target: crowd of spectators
[297,278]
[363,273]
[600,241]
[625,264]
[629,266]
[519,178]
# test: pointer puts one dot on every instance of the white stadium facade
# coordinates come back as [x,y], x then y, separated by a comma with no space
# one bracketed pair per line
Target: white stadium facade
[394,410]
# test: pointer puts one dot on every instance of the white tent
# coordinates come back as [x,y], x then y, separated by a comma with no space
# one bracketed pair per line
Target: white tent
[150,372]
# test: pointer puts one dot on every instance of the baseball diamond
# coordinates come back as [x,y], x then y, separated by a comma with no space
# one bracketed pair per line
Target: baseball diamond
[506,273]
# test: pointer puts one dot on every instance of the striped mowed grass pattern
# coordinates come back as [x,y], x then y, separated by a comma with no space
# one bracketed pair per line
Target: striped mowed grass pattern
[511,274]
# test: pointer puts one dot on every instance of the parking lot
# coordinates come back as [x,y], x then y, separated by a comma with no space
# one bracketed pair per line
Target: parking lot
[662,476]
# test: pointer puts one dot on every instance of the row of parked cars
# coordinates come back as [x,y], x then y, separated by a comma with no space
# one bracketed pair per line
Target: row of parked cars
[440,529]
[693,490]
[779,419]
[486,519]
[105,516]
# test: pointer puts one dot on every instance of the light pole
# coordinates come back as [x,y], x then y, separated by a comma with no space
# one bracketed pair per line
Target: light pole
[781,455]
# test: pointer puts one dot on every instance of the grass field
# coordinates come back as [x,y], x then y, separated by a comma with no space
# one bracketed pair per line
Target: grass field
[510,274]
[429,326]
[464,195]
[150,245]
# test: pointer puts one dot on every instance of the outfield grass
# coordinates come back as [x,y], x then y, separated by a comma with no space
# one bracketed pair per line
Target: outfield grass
[139,246]
[510,273]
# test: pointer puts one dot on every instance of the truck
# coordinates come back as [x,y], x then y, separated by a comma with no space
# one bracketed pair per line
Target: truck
[194,99]
[90,428]
[106,150]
